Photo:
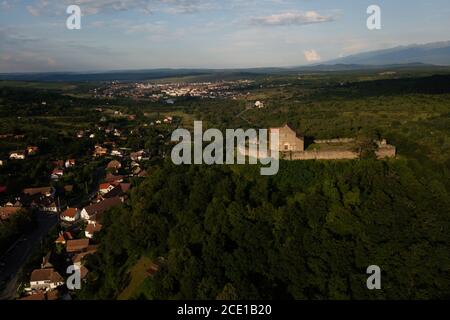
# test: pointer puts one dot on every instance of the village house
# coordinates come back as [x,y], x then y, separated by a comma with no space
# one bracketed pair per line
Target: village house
[77,245]
[134,164]
[70,163]
[91,229]
[44,191]
[100,151]
[94,212]
[138,155]
[77,259]
[106,187]
[114,165]
[36,296]
[7,212]
[116,153]
[119,190]
[136,171]
[111,178]
[41,296]
[70,215]
[45,279]
[32,150]
[259,105]
[56,174]
[168,120]
[17,155]
[63,238]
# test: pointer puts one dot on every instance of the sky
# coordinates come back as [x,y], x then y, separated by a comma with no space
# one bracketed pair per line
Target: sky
[146,34]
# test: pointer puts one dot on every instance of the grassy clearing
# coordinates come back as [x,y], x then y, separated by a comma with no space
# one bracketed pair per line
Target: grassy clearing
[138,274]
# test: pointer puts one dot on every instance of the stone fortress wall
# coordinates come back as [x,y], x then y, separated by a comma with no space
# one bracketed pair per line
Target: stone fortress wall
[320,155]
[292,147]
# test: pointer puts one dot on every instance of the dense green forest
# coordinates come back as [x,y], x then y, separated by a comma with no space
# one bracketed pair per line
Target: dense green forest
[308,233]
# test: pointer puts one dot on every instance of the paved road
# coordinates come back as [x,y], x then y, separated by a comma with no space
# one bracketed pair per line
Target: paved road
[16,258]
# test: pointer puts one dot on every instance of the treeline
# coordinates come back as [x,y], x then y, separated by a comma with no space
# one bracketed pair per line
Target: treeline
[309,232]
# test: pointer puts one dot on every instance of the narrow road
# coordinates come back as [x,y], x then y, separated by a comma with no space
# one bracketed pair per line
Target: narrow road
[19,254]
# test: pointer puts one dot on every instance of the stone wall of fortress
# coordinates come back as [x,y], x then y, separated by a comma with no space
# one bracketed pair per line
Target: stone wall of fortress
[339,140]
[320,155]
[384,151]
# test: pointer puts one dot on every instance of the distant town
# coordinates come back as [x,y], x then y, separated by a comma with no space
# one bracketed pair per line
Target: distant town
[168,92]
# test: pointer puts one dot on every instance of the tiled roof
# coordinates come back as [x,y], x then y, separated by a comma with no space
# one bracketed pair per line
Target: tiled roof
[70,213]
[46,275]
[77,245]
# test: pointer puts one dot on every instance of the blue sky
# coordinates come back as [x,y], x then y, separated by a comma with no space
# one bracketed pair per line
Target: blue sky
[139,34]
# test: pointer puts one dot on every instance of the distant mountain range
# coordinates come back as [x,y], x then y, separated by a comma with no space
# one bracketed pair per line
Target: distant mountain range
[430,55]
[437,53]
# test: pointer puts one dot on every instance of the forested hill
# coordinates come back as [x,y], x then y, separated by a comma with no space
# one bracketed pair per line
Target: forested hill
[308,233]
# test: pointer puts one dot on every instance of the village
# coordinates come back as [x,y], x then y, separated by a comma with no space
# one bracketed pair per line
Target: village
[78,209]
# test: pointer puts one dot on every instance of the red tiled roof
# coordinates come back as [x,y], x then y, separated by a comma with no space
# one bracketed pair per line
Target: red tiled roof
[53,295]
[46,275]
[99,208]
[34,191]
[93,228]
[79,257]
[114,164]
[39,296]
[77,245]
[70,213]
[105,185]
[7,212]
[112,178]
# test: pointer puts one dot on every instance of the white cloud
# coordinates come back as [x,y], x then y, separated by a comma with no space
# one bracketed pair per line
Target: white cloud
[312,56]
[292,18]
